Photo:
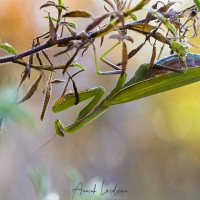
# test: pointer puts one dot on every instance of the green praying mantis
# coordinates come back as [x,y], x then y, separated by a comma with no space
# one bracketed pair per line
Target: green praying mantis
[163,76]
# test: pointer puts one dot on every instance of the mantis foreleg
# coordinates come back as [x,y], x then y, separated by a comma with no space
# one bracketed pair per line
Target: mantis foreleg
[68,100]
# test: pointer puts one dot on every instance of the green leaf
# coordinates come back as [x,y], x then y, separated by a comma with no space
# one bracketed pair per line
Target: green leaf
[165,21]
[9,48]
[52,18]
[60,3]
[156,85]
[133,16]
[197,2]
[73,25]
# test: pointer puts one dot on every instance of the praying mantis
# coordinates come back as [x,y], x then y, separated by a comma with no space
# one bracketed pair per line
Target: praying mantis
[166,74]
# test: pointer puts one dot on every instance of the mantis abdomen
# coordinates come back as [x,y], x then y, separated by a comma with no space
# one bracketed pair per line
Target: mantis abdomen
[172,63]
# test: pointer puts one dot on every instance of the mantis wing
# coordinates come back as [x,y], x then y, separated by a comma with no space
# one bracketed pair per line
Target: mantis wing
[156,85]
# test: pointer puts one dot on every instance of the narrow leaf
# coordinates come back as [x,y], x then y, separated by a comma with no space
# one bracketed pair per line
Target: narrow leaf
[9,48]
[76,93]
[96,22]
[70,61]
[46,101]
[153,57]
[102,40]
[147,29]
[78,13]
[49,3]
[71,24]
[134,51]
[47,57]
[47,96]
[26,74]
[31,90]
[141,28]
[52,28]
[65,88]
[56,81]
[110,4]
[165,21]
[52,18]
[38,58]
[165,8]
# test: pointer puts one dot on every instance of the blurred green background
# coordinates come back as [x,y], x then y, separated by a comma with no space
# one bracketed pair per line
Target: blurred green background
[150,147]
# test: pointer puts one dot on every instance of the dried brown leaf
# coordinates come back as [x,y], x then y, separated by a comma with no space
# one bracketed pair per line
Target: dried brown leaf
[110,4]
[166,7]
[65,88]
[38,58]
[96,22]
[46,101]
[142,28]
[47,57]
[102,40]
[52,3]
[52,29]
[31,90]
[56,81]
[78,13]
[134,51]
[76,93]
[147,29]
[49,3]
[149,15]
[70,60]
[26,74]
[158,36]
[153,57]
